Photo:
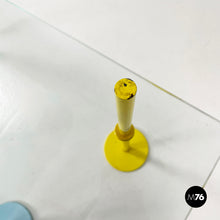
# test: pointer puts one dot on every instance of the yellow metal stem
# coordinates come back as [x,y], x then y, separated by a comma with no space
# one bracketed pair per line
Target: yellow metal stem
[126,148]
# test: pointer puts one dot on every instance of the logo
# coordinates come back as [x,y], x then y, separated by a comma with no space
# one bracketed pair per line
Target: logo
[195,196]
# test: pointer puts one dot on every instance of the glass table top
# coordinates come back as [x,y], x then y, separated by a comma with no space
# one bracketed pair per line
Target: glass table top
[57,108]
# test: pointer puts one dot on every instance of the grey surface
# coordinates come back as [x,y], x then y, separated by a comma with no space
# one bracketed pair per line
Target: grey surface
[57,108]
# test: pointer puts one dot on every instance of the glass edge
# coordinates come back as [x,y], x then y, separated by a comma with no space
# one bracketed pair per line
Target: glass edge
[113,61]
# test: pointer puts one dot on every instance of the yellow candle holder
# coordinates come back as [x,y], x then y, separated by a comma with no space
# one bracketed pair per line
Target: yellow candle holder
[126,148]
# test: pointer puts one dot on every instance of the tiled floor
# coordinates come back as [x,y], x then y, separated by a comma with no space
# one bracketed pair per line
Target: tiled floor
[57,107]
[211,209]
[175,44]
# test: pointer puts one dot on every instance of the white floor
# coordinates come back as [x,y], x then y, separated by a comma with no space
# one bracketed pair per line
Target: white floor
[57,107]
[211,208]
[173,43]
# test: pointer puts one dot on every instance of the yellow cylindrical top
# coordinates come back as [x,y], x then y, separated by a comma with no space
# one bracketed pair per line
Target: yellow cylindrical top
[125,91]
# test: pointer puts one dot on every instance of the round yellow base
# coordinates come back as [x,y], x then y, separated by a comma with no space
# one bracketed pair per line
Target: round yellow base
[126,155]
